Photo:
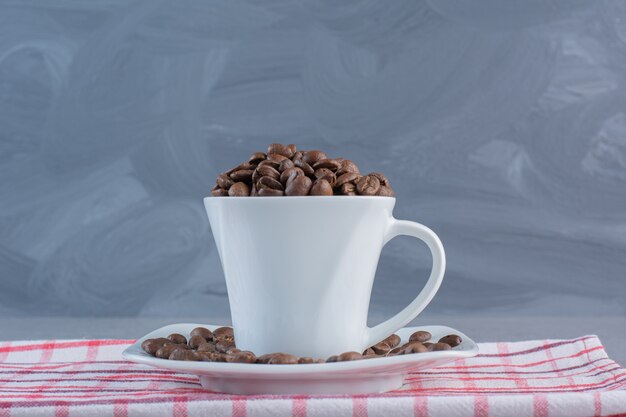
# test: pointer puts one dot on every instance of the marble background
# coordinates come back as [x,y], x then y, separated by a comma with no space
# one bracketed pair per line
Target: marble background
[501,124]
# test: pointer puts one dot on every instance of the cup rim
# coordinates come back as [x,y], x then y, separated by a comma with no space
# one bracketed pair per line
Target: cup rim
[310,197]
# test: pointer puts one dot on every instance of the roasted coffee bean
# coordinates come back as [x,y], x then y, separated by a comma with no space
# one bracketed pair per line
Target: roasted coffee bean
[306,168]
[243,175]
[279,148]
[348,189]
[206,347]
[332,359]
[245,165]
[165,350]
[151,346]
[180,354]
[367,185]
[253,191]
[212,356]
[306,359]
[224,181]
[420,336]
[178,338]
[385,191]
[348,166]
[224,345]
[274,157]
[321,187]
[265,358]
[289,173]
[195,341]
[297,155]
[219,193]
[287,163]
[311,157]
[268,171]
[283,359]
[369,351]
[292,147]
[381,348]
[257,157]
[239,189]
[269,182]
[451,339]
[331,164]
[243,356]
[298,186]
[439,346]
[383,180]
[223,332]
[325,174]
[393,340]
[399,350]
[349,356]
[202,331]
[268,192]
[348,177]
[266,163]
[415,347]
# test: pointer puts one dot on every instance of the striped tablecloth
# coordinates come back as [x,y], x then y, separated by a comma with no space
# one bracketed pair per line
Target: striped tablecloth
[534,378]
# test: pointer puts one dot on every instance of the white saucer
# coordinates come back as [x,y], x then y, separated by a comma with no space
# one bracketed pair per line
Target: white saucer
[353,377]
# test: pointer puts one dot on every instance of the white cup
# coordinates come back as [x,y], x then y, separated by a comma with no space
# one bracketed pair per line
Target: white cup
[299,270]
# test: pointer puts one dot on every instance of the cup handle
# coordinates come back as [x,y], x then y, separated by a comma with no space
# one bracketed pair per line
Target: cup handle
[407,228]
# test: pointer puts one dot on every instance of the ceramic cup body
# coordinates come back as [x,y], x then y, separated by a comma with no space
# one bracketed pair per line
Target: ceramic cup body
[299,270]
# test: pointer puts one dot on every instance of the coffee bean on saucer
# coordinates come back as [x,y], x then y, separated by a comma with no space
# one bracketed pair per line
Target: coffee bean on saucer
[348,177]
[306,359]
[283,359]
[274,157]
[151,346]
[415,347]
[224,332]
[205,333]
[369,351]
[349,356]
[243,175]
[243,356]
[180,354]
[451,339]
[257,157]
[298,186]
[321,187]
[165,351]
[332,359]
[223,345]
[347,189]
[381,178]
[420,336]
[348,166]
[177,338]
[311,157]
[306,168]
[212,356]
[206,347]
[218,192]
[196,341]
[239,189]
[286,164]
[385,191]
[381,348]
[368,185]
[331,164]
[224,181]
[289,174]
[393,340]
[439,346]
[398,350]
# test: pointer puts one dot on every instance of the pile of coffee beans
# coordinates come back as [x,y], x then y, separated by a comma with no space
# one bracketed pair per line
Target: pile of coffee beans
[219,346]
[285,171]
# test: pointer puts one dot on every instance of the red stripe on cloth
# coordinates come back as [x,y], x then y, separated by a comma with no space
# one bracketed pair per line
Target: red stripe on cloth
[597,404]
[555,368]
[65,345]
[420,407]
[4,354]
[5,408]
[120,408]
[239,407]
[46,351]
[537,348]
[540,405]
[503,348]
[359,407]
[481,406]
[298,406]
[62,409]
[180,407]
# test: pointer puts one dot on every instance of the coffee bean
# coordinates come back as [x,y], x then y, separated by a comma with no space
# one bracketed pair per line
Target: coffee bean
[243,356]
[367,185]
[245,165]
[381,348]
[381,178]
[399,350]
[311,157]
[274,157]
[306,359]
[239,189]
[393,340]
[267,163]
[269,182]
[243,175]
[451,339]
[349,356]
[348,166]
[257,157]
[420,336]
[253,191]
[385,191]
[267,171]
[369,351]
[180,354]
[348,177]
[332,359]
[287,163]
[415,347]
[306,168]
[224,345]
[268,192]
[196,341]
[212,356]
[206,347]
[348,189]
[265,358]
[279,148]
[223,332]
[165,351]
[178,338]
[202,331]
[321,187]
[219,193]
[325,174]
[151,346]
[439,346]
[289,173]
[331,164]
[298,186]
[283,359]
[224,181]
[292,147]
